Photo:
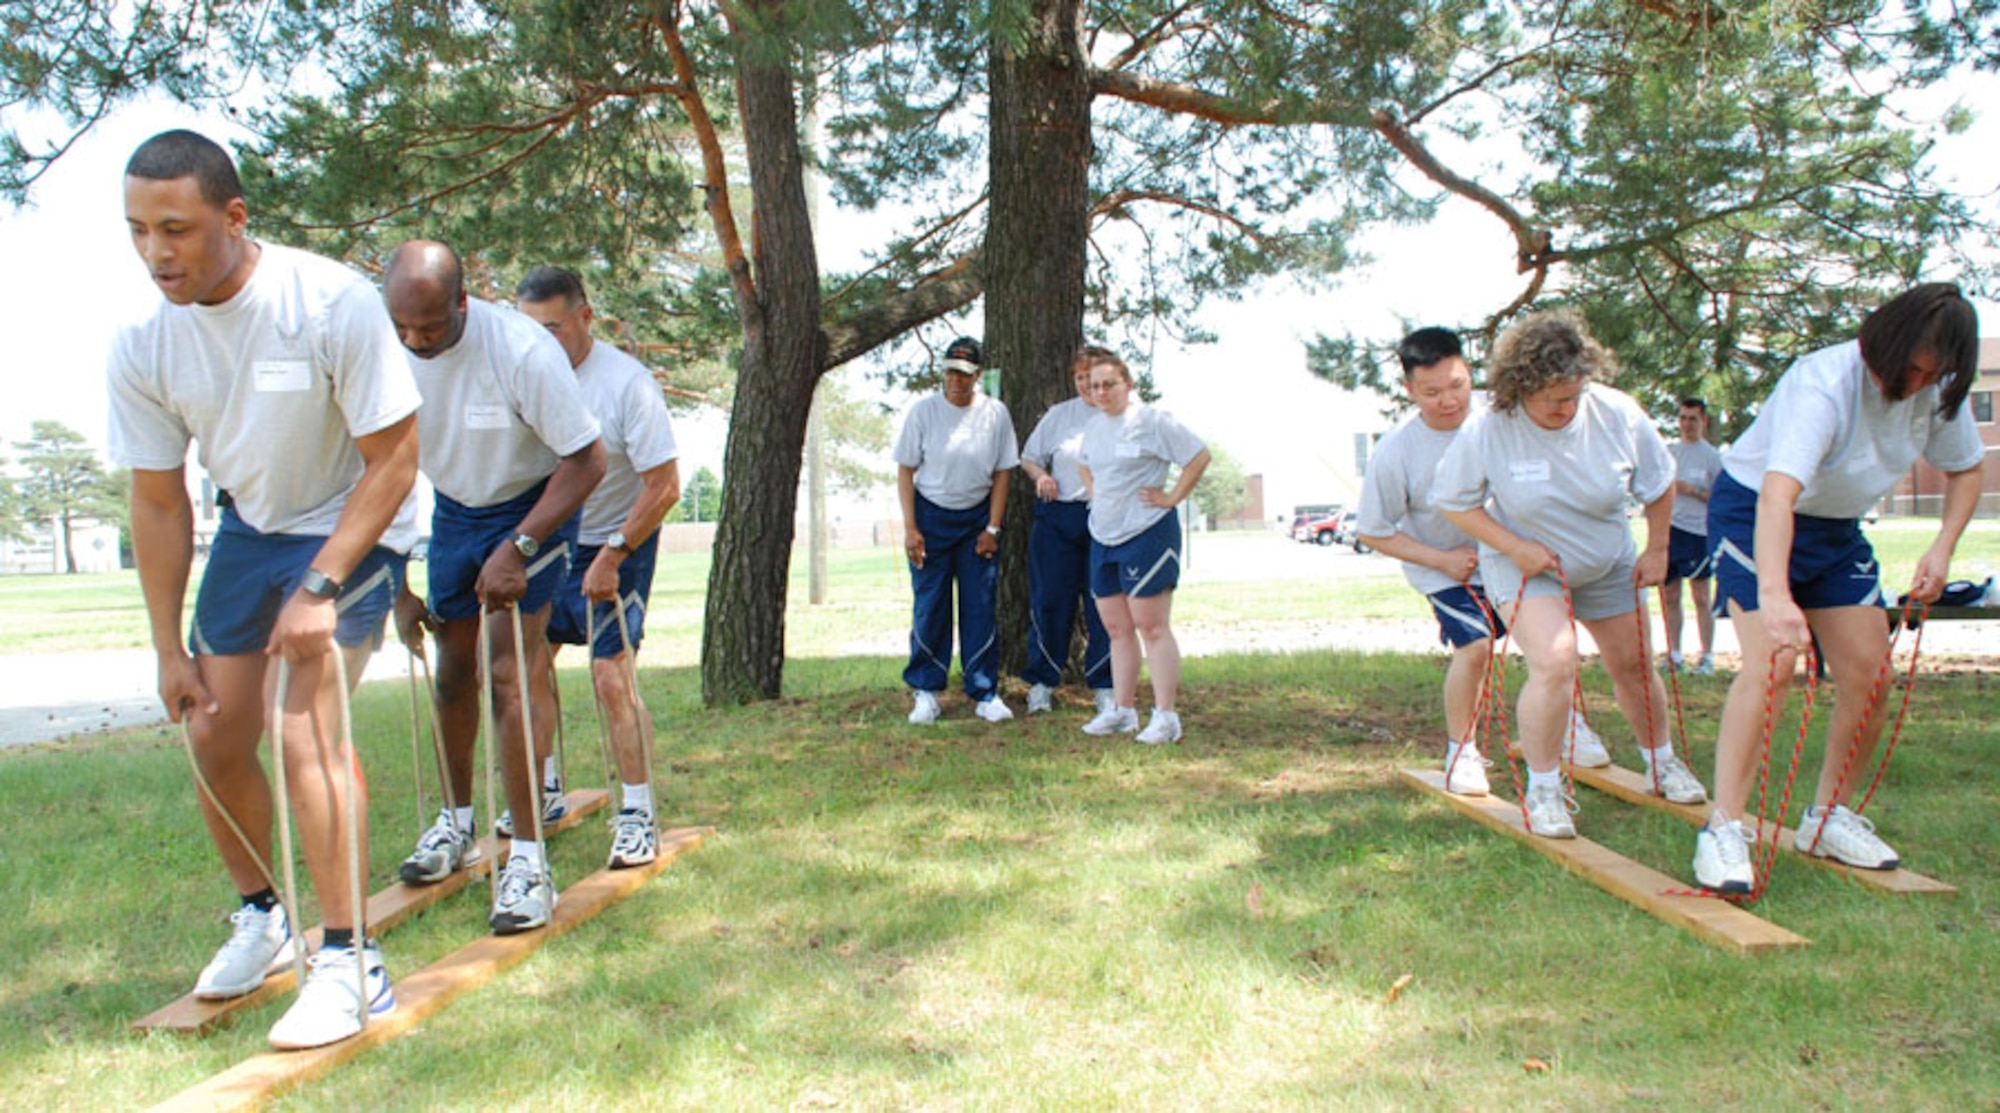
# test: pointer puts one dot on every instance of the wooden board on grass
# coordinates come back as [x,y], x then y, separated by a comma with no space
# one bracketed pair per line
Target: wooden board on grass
[421,995]
[1715,921]
[1634,786]
[386,909]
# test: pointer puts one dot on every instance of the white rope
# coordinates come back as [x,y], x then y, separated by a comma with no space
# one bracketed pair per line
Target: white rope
[522,681]
[487,728]
[611,776]
[215,801]
[356,887]
[644,716]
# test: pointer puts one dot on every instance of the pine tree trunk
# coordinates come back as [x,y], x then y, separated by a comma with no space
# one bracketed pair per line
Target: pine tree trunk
[1034,256]
[743,639]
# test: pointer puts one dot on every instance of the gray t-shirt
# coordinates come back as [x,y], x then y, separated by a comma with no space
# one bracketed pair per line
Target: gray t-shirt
[501,408]
[956,451]
[1563,487]
[274,385]
[1125,453]
[1396,497]
[1054,445]
[1698,463]
[1828,426]
[638,435]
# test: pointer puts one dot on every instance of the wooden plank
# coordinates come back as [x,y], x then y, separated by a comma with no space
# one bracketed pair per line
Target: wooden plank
[386,909]
[1633,786]
[421,995]
[1715,921]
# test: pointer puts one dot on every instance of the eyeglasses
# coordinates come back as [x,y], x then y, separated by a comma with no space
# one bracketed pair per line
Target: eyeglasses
[1099,388]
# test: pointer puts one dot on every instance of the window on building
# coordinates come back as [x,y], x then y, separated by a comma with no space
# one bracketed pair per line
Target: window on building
[1982,406]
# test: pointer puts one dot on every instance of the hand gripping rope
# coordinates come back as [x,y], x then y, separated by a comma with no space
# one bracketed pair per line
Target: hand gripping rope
[488,714]
[645,718]
[355,887]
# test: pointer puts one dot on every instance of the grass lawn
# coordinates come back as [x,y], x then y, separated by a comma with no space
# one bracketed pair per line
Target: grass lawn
[1017,916]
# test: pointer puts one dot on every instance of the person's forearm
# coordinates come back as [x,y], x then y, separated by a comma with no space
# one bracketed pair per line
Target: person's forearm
[1961,499]
[1190,477]
[662,490]
[1659,522]
[389,471]
[1401,546]
[1484,528]
[1776,499]
[906,494]
[569,485]
[163,547]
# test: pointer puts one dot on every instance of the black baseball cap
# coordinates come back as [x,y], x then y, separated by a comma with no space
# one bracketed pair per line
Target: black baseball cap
[964,356]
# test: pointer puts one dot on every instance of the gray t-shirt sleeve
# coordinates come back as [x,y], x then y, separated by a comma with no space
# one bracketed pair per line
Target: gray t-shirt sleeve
[1173,441]
[548,400]
[1006,454]
[1653,470]
[909,450]
[1954,445]
[372,383]
[1461,475]
[1384,498]
[144,432]
[648,429]
[1812,426]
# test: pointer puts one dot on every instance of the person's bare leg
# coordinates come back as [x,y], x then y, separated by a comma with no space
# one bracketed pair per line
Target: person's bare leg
[1542,630]
[1856,643]
[226,748]
[1740,735]
[458,682]
[320,770]
[1670,617]
[1704,614]
[1152,615]
[1118,626]
[1462,680]
[1628,658]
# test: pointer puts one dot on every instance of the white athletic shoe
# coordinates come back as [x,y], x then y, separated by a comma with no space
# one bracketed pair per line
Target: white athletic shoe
[1583,748]
[1549,813]
[1039,698]
[1722,856]
[992,709]
[1677,781]
[1467,775]
[1846,838]
[526,898]
[260,943]
[634,839]
[1107,700]
[555,805]
[1118,720]
[442,850]
[1164,727]
[1704,667]
[926,710]
[329,1008]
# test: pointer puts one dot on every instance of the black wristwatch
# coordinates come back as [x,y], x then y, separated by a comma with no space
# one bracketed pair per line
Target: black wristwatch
[617,543]
[319,585]
[527,546]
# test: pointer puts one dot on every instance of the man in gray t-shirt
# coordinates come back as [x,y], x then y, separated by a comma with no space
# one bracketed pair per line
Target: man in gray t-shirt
[1696,464]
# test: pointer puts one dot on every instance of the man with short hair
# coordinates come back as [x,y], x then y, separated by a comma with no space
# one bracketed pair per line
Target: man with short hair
[1696,464]
[282,367]
[611,578]
[513,452]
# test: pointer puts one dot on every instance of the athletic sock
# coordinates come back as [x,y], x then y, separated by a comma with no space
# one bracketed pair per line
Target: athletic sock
[342,938]
[639,797]
[528,850]
[1655,755]
[551,774]
[1551,778]
[263,900]
[463,817]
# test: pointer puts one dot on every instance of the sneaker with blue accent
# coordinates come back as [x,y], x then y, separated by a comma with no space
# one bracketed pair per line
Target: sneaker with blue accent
[527,897]
[555,805]
[634,839]
[344,990]
[442,850]
[1704,667]
[260,943]
[1549,812]
[1722,856]
[1040,698]
[1583,748]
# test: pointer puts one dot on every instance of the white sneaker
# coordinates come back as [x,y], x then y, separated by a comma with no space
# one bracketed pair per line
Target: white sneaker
[1467,775]
[1107,700]
[926,710]
[526,898]
[1584,749]
[442,850]
[1164,727]
[330,1008]
[260,943]
[992,709]
[1722,856]
[1704,667]
[634,840]
[1846,838]
[1039,698]
[1676,781]
[1549,813]
[1118,720]
[555,805]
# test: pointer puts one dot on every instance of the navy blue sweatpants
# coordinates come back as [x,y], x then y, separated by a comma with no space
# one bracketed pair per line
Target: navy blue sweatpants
[951,559]
[1058,578]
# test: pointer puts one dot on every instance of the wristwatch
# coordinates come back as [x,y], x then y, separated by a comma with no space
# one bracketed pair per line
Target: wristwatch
[994,530]
[319,585]
[619,543]
[526,546]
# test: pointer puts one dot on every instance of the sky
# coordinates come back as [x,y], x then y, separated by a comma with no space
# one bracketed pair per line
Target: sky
[73,280]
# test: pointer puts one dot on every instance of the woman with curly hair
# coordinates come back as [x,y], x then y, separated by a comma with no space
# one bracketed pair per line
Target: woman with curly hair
[1541,481]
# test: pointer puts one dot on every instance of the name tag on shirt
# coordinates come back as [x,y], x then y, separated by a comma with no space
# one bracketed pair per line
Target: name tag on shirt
[487,417]
[1529,471]
[1129,451]
[281,375]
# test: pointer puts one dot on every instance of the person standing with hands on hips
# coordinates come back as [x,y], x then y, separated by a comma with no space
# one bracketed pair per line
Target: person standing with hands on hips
[1135,537]
[952,460]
